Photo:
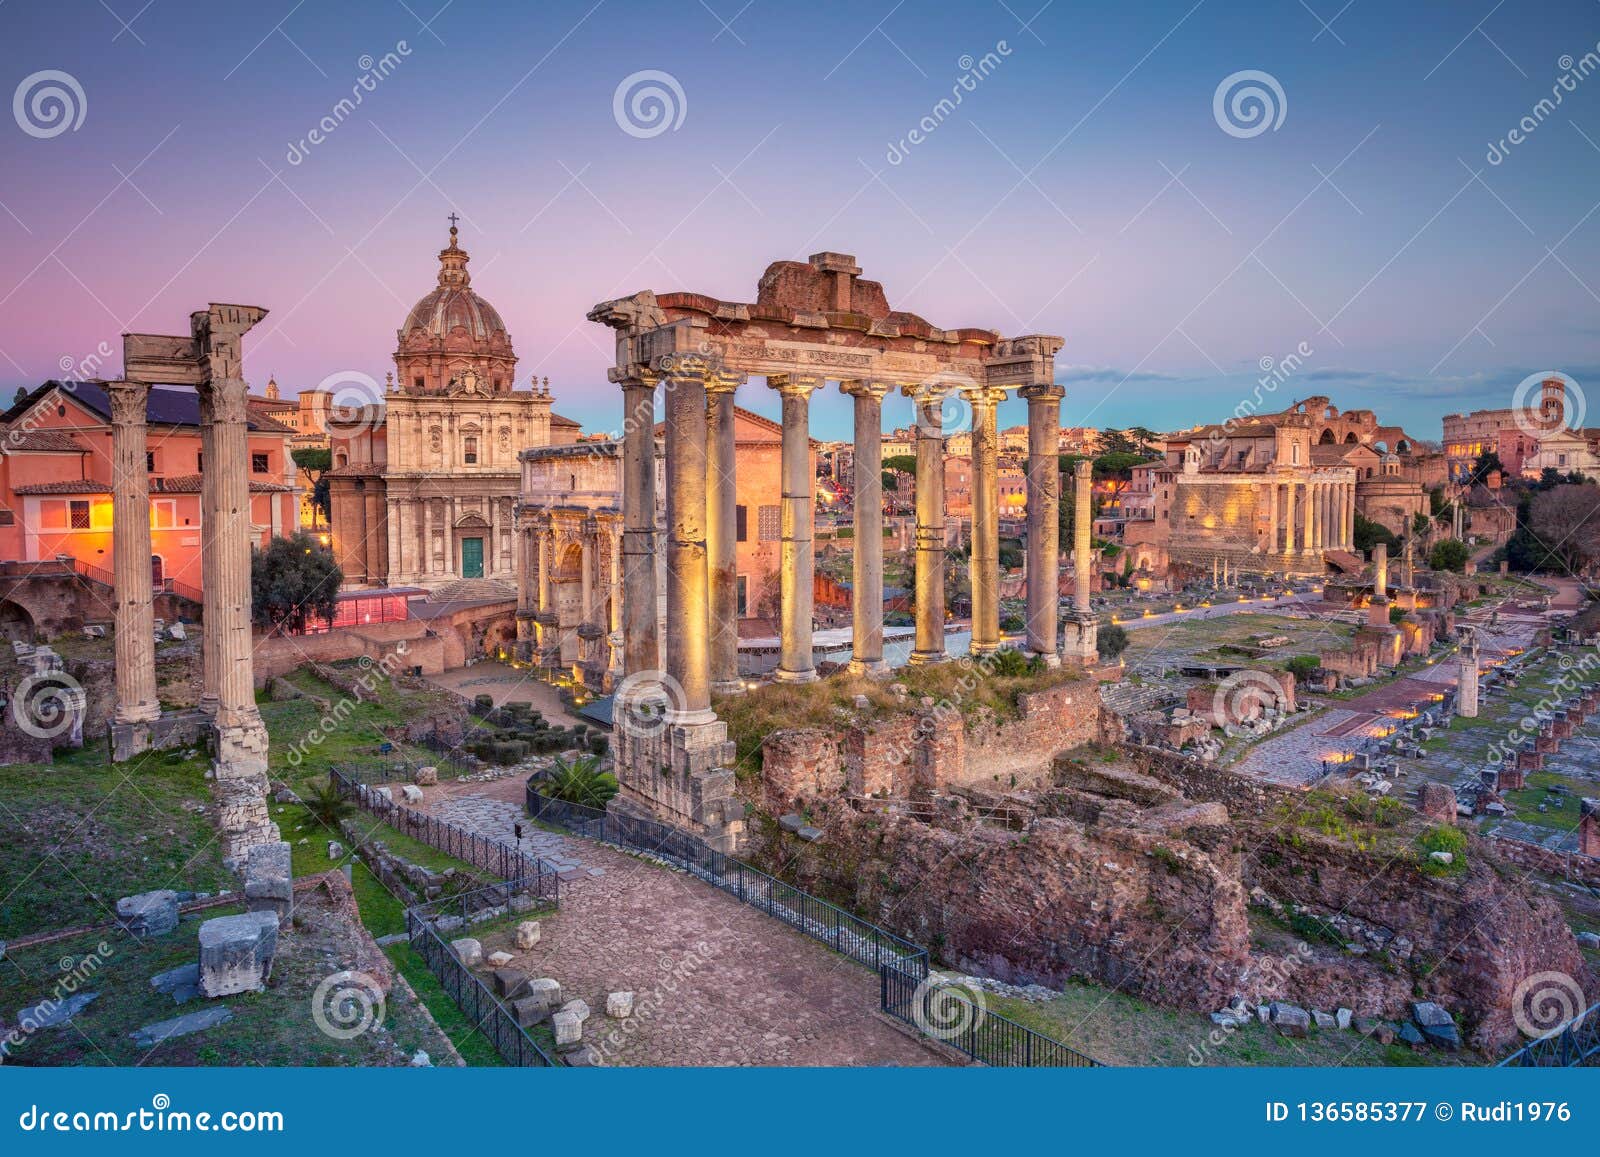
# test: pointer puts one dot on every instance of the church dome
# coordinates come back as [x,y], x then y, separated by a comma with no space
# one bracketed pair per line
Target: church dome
[453,332]
[453,304]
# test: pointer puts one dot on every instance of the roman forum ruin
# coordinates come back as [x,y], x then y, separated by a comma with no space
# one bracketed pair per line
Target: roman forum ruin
[211,360]
[811,322]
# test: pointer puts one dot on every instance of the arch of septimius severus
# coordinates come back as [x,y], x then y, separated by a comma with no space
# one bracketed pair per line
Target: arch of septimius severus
[812,323]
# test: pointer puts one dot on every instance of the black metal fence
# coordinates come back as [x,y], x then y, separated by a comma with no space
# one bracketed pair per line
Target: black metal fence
[941,1012]
[488,1014]
[489,855]
[1575,1045]
[844,933]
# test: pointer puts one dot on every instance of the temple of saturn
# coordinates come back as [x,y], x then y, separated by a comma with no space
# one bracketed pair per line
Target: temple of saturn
[812,322]
[210,360]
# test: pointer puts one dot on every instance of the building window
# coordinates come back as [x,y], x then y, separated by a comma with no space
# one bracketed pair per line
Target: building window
[199,461]
[8,517]
[258,464]
[769,523]
[79,515]
[150,462]
[417,384]
[470,452]
[741,519]
[743,599]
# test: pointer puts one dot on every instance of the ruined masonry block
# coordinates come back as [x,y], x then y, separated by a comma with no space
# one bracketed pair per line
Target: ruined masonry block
[569,1029]
[468,951]
[619,1005]
[527,934]
[149,913]
[236,953]
[269,881]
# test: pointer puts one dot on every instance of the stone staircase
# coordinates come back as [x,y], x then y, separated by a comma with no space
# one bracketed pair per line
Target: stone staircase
[1344,561]
[1130,698]
[474,590]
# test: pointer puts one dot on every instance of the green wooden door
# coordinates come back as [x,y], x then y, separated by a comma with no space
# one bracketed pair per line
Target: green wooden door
[472,558]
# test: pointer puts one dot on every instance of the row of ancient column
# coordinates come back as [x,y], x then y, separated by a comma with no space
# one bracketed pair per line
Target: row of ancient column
[600,598]
[702,636]
[1308,517]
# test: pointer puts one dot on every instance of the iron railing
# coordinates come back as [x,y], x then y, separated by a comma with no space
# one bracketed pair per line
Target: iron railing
[1575,1044]
[492,856]
[846,934]
[488,1013]
[941,1012]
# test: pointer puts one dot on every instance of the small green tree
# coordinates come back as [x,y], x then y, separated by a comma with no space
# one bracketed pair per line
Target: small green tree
[1111,641]
[292,582]
[905,463]
[1301,666]
[1369,534]
[1449,554]
[315,463]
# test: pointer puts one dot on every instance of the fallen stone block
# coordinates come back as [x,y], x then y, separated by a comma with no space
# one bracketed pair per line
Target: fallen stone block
[468,951]
[421,1060]
[578,1008]
[236,953]
[1323,1019]
[1343,1017]
[499,959]
[619,1005]
[149,913]
[152,1035]
[1409,1034]
[583,1057]
[546,990]
[1290,1020]
[269,881]
[509,982]
[335,850]
[181,983]
[427,776]
[51,1013]
[411,793]
[527,934]
[569,1029]
[530,1010]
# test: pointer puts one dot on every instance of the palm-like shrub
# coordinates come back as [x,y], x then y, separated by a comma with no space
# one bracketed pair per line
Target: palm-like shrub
[326,805]
[580,781]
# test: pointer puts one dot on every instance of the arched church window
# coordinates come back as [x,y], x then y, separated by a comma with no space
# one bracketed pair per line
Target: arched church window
[469,453]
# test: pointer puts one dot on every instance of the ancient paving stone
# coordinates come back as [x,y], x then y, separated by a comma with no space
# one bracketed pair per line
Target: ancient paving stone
[149,913]
[51,1013]
[153,1034]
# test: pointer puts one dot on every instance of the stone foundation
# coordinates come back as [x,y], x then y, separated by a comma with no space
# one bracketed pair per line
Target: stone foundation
[239,782]
[171,731]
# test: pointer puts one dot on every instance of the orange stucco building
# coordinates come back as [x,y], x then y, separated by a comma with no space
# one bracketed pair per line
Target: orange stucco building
[55,480]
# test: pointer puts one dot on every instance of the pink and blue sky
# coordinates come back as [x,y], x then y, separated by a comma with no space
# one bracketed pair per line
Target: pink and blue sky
[1082,187]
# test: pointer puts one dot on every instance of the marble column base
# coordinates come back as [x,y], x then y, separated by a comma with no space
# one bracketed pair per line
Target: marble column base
[927,658]
[1080,639]
[1051,659]
[727,687]
[782,676]
[871,668]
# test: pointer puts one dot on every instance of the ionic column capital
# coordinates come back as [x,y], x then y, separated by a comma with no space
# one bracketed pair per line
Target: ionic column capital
[795,385]
[865,388]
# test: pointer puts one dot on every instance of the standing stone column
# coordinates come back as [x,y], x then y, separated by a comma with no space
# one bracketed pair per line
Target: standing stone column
[641,647]
[688,593]
[1467,679]
[1314,498]
[614,619]
[240,770]
[527,585]
[929,647]
[722,544]
[796,571]
[1290,537]
[866,592]
[1044,515]
[210,594]
[1082,636]
[1350,516]
[1272,518]
[984,568]
[136,701]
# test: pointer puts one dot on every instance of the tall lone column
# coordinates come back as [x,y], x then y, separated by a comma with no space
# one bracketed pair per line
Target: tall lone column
[130,530]
[688,593]
[1044,515]
[1467,679]
[866,592]
[1082,637]
[984,571]
[240,770]
[797,568]
[929,646]
[641,648]
[210,593]
[722,545]
[1290,537]
[1378,608]
[1314,498]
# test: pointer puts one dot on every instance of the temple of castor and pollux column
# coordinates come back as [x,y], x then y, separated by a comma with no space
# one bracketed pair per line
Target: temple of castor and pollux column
[811,323]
